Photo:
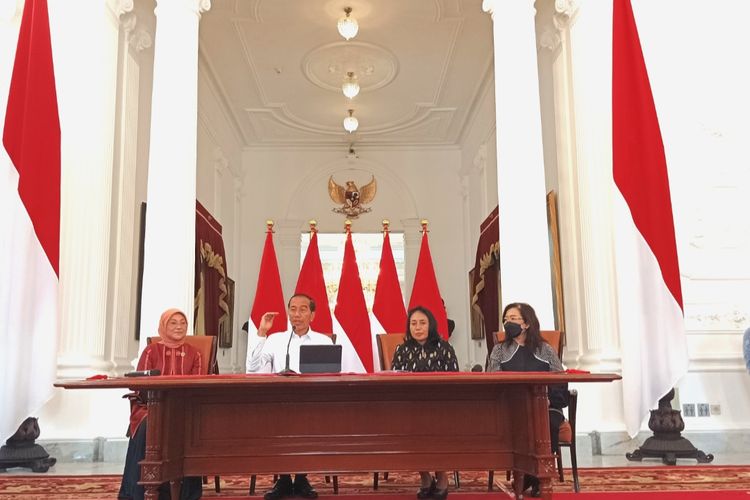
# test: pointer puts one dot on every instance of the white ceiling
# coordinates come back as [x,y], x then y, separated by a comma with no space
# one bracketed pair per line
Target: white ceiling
[279,64]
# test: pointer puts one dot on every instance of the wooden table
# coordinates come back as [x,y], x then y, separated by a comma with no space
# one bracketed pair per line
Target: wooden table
[252,424]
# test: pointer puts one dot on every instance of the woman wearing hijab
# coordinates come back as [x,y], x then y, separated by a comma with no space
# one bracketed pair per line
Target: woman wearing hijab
[171,356]
[424,350]
[525,350]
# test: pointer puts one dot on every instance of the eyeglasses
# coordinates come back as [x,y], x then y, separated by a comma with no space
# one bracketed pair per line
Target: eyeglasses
[513,318]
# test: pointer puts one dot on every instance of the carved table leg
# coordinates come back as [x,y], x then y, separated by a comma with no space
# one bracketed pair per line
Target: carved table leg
[151,473]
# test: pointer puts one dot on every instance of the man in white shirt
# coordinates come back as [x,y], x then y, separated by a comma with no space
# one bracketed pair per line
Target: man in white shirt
[269,356]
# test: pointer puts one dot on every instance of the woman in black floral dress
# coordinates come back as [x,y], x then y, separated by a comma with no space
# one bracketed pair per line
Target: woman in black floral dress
[424,350]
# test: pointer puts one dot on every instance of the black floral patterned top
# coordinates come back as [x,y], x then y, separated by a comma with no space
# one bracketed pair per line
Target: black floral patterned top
[411,356]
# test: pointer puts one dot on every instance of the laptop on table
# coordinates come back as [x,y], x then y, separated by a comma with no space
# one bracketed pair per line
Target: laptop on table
[322,358]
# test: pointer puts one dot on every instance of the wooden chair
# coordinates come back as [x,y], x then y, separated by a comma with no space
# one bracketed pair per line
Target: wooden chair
[206,345]
[567,428]
[387,344]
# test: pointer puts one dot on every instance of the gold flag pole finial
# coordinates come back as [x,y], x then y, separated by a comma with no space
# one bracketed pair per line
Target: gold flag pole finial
[424,226]
[348,226]
[313,226]
[386,224]
[269,226]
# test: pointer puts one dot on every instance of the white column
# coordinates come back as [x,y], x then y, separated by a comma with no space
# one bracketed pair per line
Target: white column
[84,36]
[591,52]
[120,322]
[524,247]
[169,258]
[239,347]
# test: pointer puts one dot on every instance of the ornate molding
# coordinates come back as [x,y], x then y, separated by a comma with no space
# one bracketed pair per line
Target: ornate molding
[195,6]
[327,66]
[550,39]
[465,188]
[121,7]
[141,40]
[221,162]
[202,6]
[480,159]
[128,21]
[489,7]
[565,13]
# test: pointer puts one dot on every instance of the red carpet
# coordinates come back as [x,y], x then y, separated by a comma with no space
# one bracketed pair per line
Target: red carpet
[626,483]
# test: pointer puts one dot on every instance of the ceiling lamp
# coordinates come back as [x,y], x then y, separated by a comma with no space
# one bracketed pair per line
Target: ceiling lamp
[348,26]
[351,123]
[350,87]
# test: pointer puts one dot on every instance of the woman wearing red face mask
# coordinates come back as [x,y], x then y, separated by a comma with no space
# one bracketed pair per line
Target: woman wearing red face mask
[524,350]
[171,356]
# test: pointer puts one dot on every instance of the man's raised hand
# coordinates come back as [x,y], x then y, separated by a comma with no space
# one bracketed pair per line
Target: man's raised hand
[266,321]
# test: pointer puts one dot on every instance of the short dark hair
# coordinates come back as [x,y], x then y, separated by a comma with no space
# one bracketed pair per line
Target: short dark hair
[312,301]
[433,337]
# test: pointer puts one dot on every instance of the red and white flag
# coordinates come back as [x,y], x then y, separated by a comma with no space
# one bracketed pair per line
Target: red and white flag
[425,291]
[312,282]
[652,332]
[351,309]
[388,303]
[269,297]
[29,223]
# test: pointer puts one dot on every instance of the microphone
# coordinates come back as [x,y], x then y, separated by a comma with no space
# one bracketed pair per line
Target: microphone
[143,373]
[287,370]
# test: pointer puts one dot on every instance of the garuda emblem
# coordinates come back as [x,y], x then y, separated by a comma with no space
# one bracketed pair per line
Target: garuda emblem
[352,198]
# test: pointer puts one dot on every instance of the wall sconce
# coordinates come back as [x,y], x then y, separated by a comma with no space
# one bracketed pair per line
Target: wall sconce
[348,26]
[350,123]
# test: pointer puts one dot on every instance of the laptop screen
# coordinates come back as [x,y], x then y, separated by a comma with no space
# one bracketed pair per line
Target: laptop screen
[324,358]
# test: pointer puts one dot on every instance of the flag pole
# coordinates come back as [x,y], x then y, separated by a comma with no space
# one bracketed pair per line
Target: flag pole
[313,227]
[269,226]
[386,226]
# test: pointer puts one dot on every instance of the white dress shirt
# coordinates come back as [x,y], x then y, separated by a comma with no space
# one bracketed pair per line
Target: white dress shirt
[269,355]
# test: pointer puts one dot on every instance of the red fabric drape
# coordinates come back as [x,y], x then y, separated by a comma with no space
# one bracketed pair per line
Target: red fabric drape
[211,268]
[485,298]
